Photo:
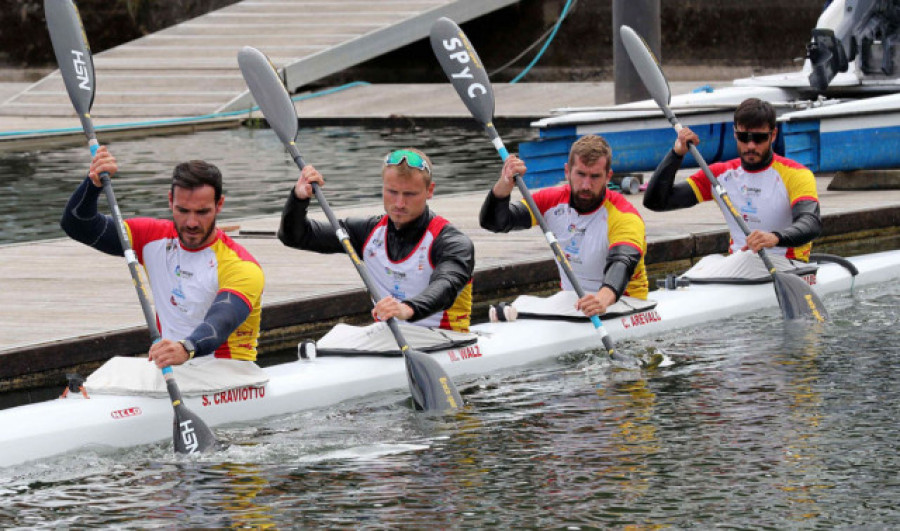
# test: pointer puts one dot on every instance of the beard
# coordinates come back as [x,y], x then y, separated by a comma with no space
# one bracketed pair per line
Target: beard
[194,239]
[754,160]
[586,201]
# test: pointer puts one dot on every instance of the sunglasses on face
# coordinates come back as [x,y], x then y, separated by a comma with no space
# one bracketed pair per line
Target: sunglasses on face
[757,138]
[413,160]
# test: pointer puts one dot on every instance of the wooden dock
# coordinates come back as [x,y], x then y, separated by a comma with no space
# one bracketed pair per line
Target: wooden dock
[59,291]
[190,69]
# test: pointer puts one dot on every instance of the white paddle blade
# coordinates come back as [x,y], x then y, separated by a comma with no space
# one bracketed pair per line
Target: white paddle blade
[464,68]
[73,55]
[269,92]
[647,67]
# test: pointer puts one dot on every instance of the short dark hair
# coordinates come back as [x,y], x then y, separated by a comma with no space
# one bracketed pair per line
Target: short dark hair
[196,173]
[753,113]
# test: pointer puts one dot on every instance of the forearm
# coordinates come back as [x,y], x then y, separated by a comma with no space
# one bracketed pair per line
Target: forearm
[806,225]
[83,223]
[662,193]
[227,312]
[500,215]
[621,263]
[300,232]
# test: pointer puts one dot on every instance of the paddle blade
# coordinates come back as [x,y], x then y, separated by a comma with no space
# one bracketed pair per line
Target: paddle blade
[431,388]
[464,69]
[797,299]
[647,67]
[73,55]
[269,92]
[191,435]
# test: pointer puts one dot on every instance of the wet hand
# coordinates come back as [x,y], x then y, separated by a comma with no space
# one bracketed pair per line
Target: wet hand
[389,307]
[167,352]
[759,239]
[103,162]
[303,189]
[596,303]
[514,166]
[685,136]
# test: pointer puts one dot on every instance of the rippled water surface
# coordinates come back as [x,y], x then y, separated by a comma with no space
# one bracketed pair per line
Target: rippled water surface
[258,173]
[755,424]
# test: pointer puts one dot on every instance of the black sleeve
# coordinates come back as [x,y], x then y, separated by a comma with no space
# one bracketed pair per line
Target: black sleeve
[502,215]
[662,193]
[227,313]
[453,256]
[300,232]
[82,222]
[806,226]
[621,262]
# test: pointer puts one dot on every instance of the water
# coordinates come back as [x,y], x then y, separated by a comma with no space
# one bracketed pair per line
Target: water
[756,424]
[257,172]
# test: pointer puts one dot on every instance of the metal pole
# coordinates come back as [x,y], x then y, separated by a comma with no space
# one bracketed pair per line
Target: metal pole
[643,17]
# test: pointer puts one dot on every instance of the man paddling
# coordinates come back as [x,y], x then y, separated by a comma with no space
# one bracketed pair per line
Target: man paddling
[600,232]
[775,195]
[418,258]
[206,287]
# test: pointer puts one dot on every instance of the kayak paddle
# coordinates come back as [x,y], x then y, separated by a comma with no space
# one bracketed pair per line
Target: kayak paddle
[190,433]
[467,75]
[795,297]
[430,386]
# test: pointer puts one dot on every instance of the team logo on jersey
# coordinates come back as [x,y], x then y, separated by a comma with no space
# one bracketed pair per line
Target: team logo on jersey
[181,273]
[750,191]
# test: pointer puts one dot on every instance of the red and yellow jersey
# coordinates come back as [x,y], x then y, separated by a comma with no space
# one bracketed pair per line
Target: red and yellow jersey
[763,198]
[185,282]
[587,238]
[410,276]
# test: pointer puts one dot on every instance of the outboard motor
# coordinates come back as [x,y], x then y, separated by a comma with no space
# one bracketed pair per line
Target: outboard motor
[860,30]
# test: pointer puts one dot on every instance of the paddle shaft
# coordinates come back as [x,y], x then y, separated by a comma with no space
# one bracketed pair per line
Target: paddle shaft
[793,294]
[73,55]
[723,196]
[429,385]
[558,254]
[450,394]
[466,73]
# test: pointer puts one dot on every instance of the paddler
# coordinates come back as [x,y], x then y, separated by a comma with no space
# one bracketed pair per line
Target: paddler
[206,287]
[775,195]
[600,232]
[422,262]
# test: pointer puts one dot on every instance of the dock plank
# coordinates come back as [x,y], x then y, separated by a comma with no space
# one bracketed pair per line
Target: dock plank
[60,289]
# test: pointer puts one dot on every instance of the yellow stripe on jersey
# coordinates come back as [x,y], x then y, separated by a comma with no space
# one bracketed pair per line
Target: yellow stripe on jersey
[627,228]
[239,274]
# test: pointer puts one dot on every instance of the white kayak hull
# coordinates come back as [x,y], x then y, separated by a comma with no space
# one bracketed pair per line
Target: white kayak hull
[49,428]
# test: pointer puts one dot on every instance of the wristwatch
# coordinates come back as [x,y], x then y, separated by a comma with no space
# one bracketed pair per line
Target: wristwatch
[189,348]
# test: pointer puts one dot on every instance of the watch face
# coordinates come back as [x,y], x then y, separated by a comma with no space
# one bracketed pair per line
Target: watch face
[188,346]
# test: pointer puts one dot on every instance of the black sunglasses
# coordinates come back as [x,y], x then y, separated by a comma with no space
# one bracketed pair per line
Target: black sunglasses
[757,138]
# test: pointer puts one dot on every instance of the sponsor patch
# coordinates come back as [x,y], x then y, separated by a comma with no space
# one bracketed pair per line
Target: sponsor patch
[242,394]
[126,413]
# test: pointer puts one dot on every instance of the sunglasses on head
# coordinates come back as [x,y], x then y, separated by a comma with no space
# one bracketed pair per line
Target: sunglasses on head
[413,160]
[757,138]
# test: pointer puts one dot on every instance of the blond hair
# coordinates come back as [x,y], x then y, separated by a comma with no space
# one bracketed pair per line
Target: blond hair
[404,170]
[589,149]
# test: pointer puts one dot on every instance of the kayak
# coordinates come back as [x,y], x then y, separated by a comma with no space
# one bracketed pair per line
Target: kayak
[75,422]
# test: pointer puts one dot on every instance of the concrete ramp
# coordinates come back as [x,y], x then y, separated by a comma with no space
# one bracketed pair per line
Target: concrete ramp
[191,69]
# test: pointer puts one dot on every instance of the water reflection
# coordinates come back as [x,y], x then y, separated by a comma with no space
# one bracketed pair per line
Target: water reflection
[758,424]
[258,173]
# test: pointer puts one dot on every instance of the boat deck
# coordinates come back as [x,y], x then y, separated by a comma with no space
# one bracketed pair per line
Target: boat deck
[60,296]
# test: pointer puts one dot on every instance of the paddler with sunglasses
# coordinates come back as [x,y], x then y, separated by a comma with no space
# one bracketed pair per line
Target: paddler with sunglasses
[422,262]
[775,195]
